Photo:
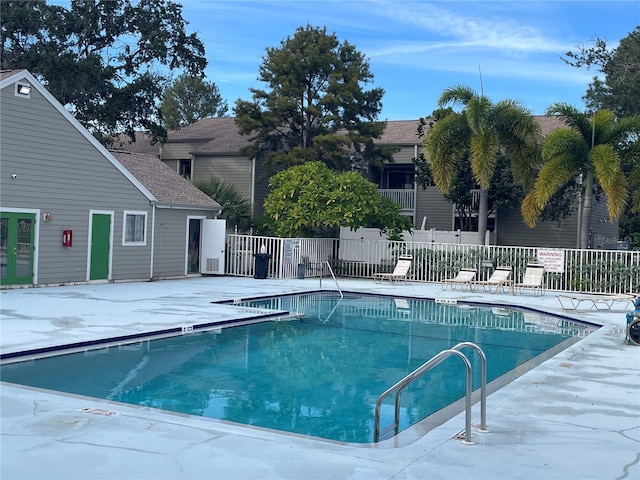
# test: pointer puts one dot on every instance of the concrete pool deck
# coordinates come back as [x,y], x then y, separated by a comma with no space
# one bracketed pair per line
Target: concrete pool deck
[576,416]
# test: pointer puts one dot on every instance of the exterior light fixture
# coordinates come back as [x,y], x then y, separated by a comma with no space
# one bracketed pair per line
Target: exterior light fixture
[24,89]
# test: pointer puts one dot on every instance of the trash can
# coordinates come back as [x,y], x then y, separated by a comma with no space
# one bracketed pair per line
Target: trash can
[262,264]
[301,271]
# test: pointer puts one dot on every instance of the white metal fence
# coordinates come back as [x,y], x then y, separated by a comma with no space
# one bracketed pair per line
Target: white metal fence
[285,255]
[602,271]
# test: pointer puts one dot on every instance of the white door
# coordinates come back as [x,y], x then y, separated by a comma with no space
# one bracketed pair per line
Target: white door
[213,241]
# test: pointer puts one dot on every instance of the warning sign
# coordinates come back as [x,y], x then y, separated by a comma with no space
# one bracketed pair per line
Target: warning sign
[553,260]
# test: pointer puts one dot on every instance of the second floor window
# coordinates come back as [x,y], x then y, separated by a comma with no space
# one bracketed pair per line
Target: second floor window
[400,179]
[184,169]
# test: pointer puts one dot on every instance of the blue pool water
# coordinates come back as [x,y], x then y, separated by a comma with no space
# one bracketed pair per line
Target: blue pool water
[319,374]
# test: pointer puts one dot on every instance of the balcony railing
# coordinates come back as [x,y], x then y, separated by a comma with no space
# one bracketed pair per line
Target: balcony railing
[474,208]
[475,203]
[405,197]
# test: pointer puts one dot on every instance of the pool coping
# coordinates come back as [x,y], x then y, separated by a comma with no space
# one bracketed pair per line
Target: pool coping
[404,437]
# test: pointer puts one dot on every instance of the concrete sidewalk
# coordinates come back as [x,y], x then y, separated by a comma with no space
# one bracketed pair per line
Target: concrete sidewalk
[576,416]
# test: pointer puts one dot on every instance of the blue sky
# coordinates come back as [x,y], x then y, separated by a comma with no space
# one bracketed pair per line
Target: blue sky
[416,49]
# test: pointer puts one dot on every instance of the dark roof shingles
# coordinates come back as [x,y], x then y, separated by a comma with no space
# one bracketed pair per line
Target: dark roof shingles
[222,136]
[8,73]
[142,144]
[163,183]
[220,133]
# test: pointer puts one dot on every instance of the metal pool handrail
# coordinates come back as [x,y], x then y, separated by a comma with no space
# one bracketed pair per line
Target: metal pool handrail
[483,383]
[332,274]
[406,381]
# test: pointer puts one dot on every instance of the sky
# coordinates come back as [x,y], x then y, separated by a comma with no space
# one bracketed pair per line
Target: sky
[416,49]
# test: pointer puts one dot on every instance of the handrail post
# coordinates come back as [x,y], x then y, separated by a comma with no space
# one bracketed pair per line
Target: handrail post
[404,382]
[333,275]
[467,402]
[483,383]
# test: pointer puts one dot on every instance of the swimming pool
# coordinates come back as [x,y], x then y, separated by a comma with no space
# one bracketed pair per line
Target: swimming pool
[318,374]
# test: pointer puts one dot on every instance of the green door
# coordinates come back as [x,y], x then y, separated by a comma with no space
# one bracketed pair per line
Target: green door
[16,248]
[100,244]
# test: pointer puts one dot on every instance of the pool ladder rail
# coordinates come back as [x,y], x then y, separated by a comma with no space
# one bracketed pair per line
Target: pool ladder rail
[326,262]
[424,368]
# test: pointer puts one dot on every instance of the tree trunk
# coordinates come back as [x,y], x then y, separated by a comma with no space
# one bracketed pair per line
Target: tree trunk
[483,213]
[587,207]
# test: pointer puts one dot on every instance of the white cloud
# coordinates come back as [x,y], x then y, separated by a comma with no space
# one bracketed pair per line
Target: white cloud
[551,69]
[449,28]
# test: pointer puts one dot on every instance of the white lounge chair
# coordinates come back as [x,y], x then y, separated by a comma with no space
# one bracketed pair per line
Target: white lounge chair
[402,306]
[464,278]
[400,272]
[569,301]
[499,280]
[533,278]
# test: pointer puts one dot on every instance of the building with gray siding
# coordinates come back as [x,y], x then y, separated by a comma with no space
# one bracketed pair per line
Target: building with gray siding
[213,146]
[507,227]
[71,212]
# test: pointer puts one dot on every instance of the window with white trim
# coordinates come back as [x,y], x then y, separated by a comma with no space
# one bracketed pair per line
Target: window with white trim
[184,169]
[135,228]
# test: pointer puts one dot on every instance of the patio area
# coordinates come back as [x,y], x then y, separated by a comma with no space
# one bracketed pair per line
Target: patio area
[576,416]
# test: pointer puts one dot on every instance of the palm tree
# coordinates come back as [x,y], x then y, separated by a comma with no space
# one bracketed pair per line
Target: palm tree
[588,148]
[483,130]
[236,209]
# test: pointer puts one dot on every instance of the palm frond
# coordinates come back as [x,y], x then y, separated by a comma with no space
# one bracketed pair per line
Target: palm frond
[458,94]
[516,120]
[479,112]
[634,186]
[623,131]
[608,172]
[602,123]
[553,175]
[519,135]
[525,161]
[563,109]
[236,208]
[484,156]
[445,144]
[530,209]
[573,117]
[635,201]
[568,142]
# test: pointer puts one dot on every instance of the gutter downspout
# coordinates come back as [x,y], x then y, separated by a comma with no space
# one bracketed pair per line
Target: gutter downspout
[153,239]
